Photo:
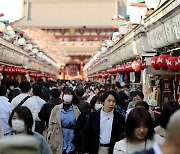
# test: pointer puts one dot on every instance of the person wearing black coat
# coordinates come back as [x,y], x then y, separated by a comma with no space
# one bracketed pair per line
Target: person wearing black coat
[104,127]
[16,91]
[45,111]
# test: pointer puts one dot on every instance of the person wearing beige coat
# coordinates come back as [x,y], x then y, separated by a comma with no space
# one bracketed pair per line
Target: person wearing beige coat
[55,129]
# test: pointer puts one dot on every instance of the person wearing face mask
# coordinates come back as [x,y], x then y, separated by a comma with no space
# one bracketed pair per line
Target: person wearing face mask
[95,104]
[62,123]
[21,122]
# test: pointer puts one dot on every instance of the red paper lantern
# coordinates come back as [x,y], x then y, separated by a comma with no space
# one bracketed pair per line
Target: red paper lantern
[138,65]
[1,68]
[123,68]
[162,60]
[106,75]
[154,62]
[119,69]
[8,70]
[173,63]
[129,67]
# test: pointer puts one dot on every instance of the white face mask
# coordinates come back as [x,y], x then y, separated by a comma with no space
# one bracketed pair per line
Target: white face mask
[18,125]
[98,106]
[67,99]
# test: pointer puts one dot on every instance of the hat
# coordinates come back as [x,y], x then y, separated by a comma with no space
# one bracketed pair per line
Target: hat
[152,102]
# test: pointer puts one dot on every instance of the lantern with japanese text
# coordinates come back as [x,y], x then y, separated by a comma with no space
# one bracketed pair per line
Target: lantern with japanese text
[138,65]
[129,67]
[173,63]
[154,62]
[119,69]
[1,68]
[162,60]
[122,68]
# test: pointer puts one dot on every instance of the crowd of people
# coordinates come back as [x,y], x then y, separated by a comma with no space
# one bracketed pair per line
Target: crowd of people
[70,117]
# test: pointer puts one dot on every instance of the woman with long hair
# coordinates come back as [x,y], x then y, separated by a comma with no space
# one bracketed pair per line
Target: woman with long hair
[139,133]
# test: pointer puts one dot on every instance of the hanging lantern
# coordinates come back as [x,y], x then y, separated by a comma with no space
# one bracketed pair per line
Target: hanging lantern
[123,30]
[11,33]
[173,63]
[1,68]
[122,68]
[129,67]
[105,75]
[29,46]
[103,49]
[135,66]
[138,65]
[154,62]
[35,50]
[162,60]
[7,70]
[21,41]
[119,69]
[2,27]
[109,43]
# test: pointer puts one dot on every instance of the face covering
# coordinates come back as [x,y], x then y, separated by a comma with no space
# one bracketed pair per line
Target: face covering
[18,125]
[67,99]
[98,106]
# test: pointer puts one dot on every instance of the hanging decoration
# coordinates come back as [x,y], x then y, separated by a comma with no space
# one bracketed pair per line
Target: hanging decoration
[162,60]
[173,64]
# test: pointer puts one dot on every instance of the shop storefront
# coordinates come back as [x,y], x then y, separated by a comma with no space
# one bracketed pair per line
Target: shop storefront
[161,78]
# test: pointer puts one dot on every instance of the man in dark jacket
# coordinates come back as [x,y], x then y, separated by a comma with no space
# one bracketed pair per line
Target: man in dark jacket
[83,105]
[16,91]
[45,112]
[104,127]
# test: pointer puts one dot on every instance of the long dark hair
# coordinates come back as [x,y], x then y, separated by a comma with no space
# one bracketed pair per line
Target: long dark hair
[136,117]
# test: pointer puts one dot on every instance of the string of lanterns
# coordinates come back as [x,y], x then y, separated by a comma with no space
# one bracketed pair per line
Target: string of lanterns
[18,38]
[136,65]
[22,71]
[166,61]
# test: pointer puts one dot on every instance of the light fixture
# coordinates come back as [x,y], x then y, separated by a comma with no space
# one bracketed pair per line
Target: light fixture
[2,27]
[109,43]
[21,41]
[123,30]
[152,3]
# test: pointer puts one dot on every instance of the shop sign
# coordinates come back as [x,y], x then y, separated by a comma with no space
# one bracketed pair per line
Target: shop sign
[157,37]
[172,29]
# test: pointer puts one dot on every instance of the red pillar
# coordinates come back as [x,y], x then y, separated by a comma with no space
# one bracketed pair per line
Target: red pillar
[81,70]
[63,72]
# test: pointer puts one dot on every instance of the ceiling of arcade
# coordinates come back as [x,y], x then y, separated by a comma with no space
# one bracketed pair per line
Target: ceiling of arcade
[67,29]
